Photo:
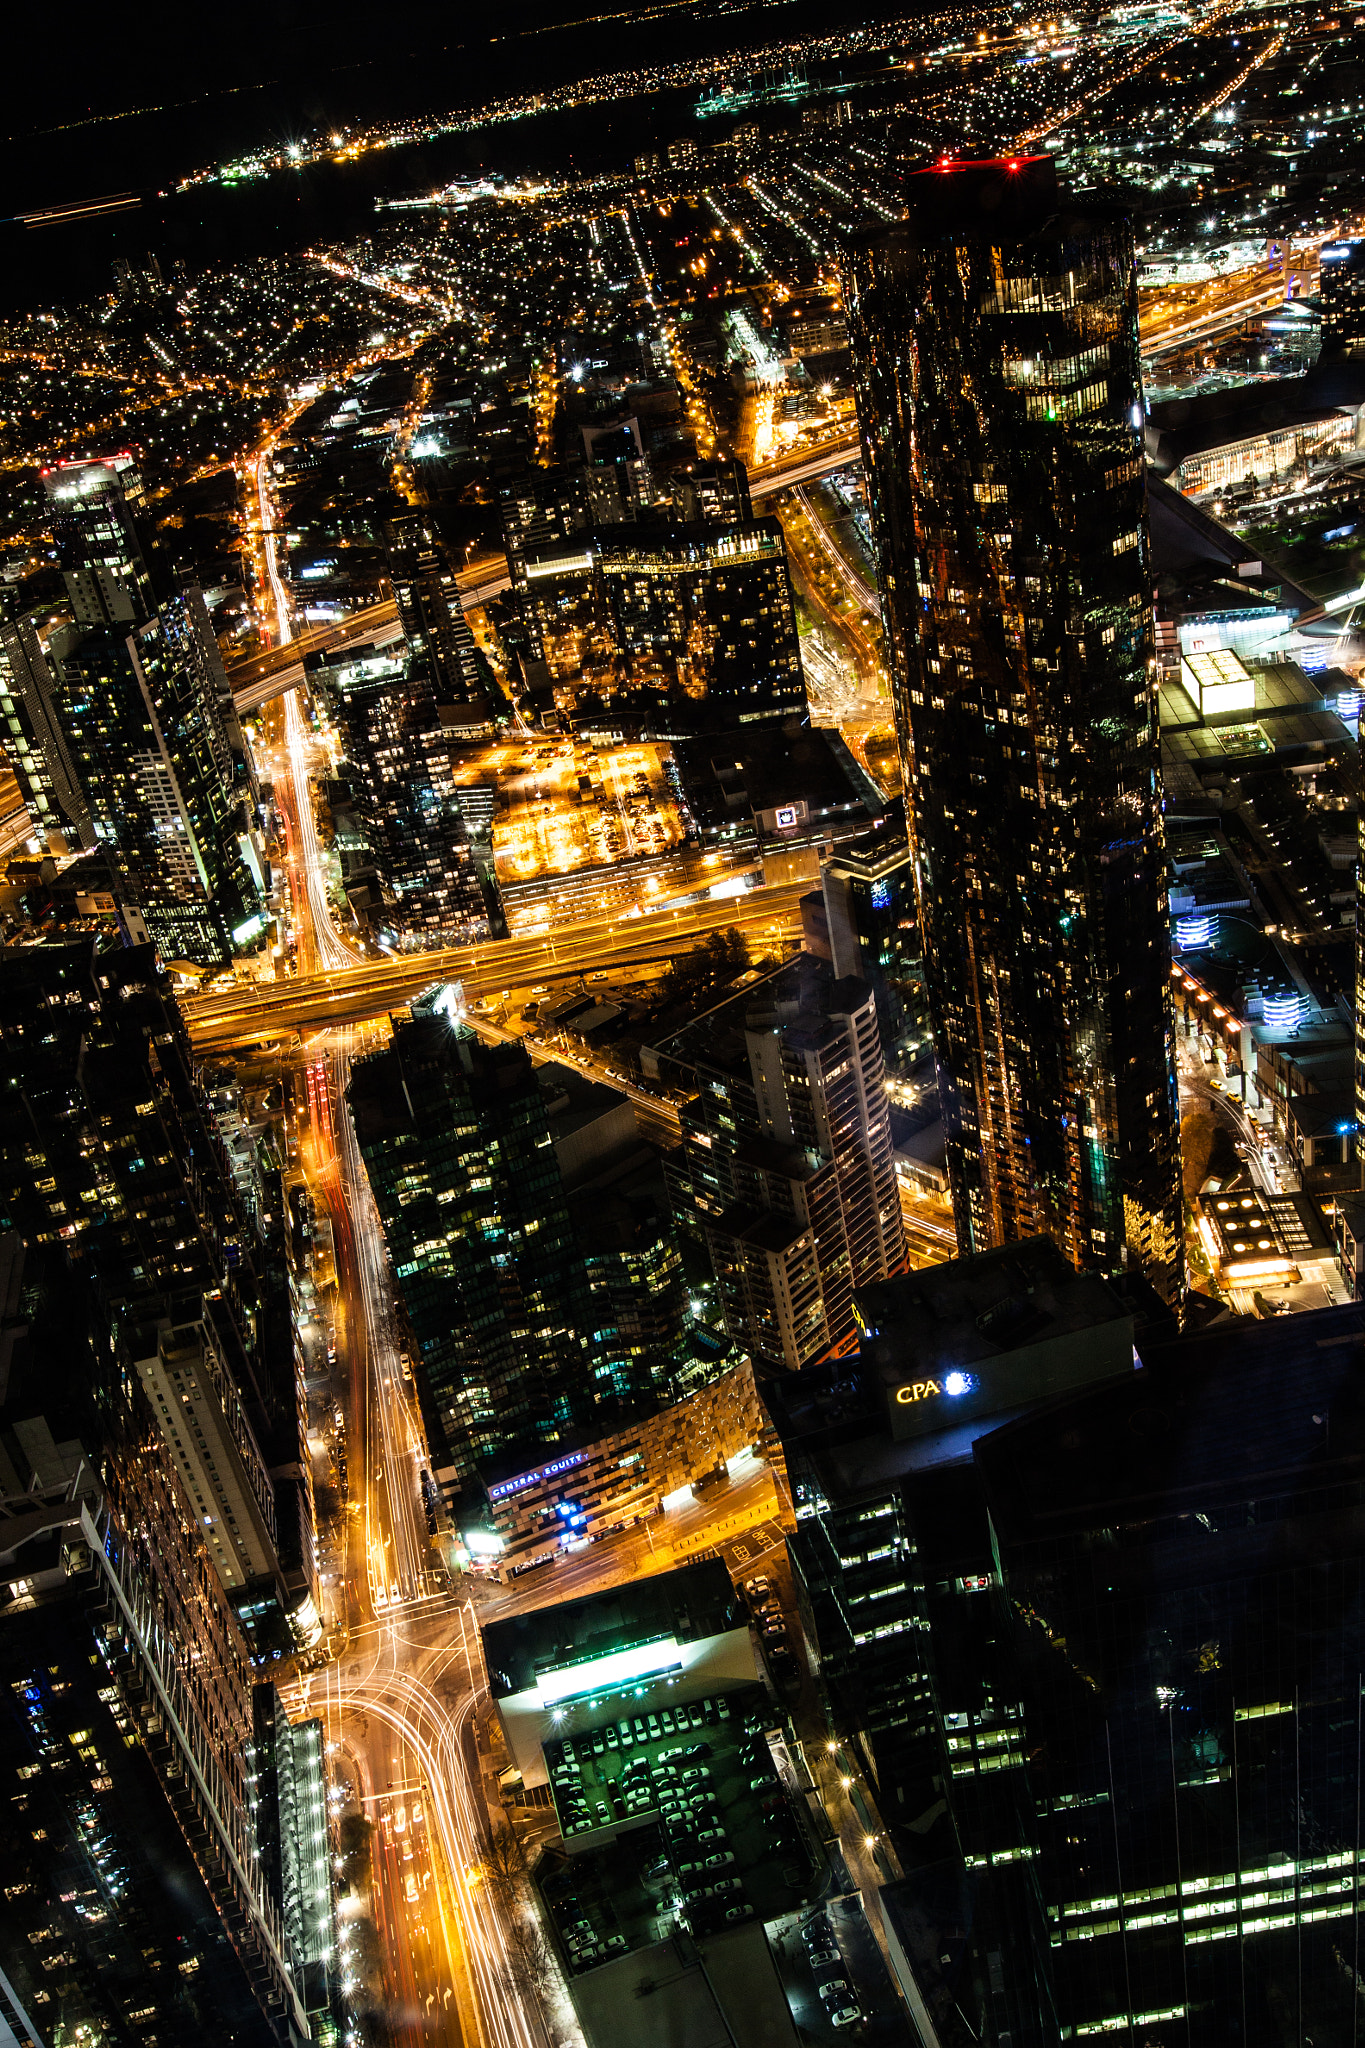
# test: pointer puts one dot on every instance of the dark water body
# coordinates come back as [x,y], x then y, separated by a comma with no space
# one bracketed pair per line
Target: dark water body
[323,86]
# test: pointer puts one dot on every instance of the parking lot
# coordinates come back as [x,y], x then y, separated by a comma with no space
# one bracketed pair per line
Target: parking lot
[835,1976]
[694,1822]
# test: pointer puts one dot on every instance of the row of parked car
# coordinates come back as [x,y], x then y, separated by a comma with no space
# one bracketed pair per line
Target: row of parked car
[641,1728]
[586,1944]
[771,1624]
[828,1970]
[699,1849]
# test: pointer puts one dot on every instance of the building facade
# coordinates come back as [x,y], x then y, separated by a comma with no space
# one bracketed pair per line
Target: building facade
[433,857]
[995,349]
[110,1150]
[431,612]
[135,1902]
[623,1477]
[872,924]
[785,1170]
[35,747]
[1190,1712]
[1097,1649]
[702,612]
[456,1141]
[1342,289]
[126,735]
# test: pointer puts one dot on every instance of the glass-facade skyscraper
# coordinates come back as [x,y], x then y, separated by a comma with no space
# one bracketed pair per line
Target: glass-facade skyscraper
[1101,1659]
[125,735]
[786,1171]
[516,1352]
[995,347]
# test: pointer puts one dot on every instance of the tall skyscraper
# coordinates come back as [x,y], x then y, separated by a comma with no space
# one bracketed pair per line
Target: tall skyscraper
[432,851]
[1343,293]
[126,740]
[1191,1709]
[786,1170]
[456,1140]
[139,1898]
[109,1149]
[35,747]
[431,612]
[995,349]
[1097,1633]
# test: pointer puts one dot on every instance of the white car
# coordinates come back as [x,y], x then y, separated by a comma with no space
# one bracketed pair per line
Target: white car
[845,2016]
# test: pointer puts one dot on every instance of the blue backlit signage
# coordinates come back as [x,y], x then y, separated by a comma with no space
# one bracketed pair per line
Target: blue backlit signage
[526,1479]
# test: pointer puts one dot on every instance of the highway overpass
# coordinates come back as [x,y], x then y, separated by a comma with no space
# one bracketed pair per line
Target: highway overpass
[263,676]
[253,1011]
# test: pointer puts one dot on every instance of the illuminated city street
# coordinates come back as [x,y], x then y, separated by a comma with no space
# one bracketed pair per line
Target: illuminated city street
[681,1112]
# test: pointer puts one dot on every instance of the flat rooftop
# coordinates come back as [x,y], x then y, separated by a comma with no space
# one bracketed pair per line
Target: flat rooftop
[690,1604]
[1180,427]
[701,1805]
[1200,563]
[972,1310]
[761,767]
[1251,1410]
[800,998]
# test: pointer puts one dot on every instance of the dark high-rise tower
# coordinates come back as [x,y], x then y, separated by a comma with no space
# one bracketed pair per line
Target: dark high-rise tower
[108,1146]
[1343,293]
[125,735]
[456,1140]
[431,612]
[995,349]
